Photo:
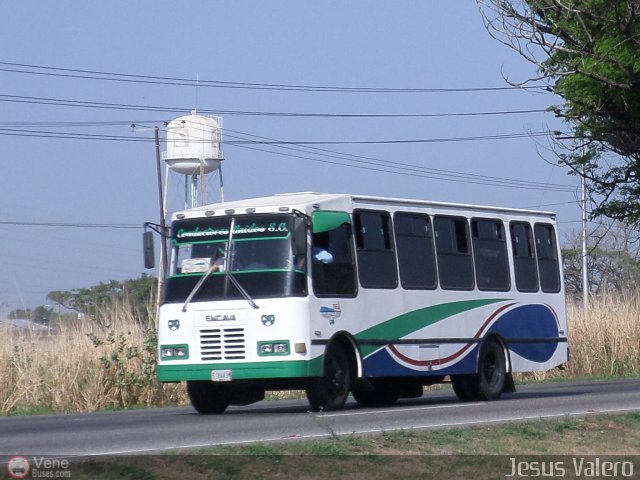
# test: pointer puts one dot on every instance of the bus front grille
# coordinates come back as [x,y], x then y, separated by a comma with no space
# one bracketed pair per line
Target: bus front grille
[222,344]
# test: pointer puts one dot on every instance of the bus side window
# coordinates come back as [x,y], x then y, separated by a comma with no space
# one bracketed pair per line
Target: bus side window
[374,243]
[416,252]
[524,261]
[490,255]
[455,263]
[548,264]
[335,277]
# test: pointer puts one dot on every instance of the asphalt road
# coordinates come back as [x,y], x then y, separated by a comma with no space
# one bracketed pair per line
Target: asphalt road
[155,430]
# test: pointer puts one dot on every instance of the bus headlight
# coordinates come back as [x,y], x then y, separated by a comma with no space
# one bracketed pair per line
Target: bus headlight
[174,352]
[278,347]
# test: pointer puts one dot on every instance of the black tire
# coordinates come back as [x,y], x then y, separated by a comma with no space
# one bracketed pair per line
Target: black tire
[463,387]
[330,391]
[489,382]
[383,393]
[208,397]
[492,370]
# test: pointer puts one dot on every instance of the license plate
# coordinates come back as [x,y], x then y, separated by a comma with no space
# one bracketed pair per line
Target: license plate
[221,375]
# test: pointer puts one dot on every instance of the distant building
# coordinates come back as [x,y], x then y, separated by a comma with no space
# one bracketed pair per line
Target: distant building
[23,325]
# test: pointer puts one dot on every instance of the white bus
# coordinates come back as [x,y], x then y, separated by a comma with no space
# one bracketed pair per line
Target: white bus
[339,294]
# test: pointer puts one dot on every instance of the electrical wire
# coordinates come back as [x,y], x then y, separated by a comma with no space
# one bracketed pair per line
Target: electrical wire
[393,141]
[182,110]
[521,185]
[369,163]
[71,136]
[367,160]
[176,81]
[73,225]
[93,136]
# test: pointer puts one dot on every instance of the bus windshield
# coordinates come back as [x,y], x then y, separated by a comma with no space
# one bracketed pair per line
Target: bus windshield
[260,256]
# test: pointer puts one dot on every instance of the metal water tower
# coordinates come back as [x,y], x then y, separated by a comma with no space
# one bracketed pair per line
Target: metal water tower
[193,150]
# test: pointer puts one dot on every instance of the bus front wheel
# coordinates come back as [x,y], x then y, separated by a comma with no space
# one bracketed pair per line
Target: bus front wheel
[208,397]
[489,382]
[330,391]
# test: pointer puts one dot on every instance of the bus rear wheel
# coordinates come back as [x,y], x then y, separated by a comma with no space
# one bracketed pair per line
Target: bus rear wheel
[489,382]
[330,391]
[208,397]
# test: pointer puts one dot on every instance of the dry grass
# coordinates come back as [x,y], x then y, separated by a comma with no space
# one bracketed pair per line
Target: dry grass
[108,362]
[101,363]
[604,341]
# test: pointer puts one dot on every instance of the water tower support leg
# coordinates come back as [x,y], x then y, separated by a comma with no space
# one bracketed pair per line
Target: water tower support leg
[221,185]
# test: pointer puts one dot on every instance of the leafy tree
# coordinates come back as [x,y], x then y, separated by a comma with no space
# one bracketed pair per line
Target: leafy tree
[42,314]
[137,293]
[23,314]
[588,52]
[140,294]
[88,300]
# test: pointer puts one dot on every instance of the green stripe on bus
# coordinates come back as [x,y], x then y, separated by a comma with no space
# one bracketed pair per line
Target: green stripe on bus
[403,325]
[323,220]
[241,371]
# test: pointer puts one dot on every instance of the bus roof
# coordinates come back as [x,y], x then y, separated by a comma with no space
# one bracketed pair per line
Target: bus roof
[308,201]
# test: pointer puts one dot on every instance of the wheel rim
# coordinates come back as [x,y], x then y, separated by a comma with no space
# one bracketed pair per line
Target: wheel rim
[493,366]
[491,369]
[336,379]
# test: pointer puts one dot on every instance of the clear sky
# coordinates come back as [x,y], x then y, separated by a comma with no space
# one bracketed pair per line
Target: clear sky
[435,54]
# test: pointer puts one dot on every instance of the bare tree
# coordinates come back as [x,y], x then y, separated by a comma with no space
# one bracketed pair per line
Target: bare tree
[613,260]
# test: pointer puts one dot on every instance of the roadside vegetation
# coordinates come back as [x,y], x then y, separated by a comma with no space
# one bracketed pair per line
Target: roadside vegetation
[604,341]
[479,452]
[107,361]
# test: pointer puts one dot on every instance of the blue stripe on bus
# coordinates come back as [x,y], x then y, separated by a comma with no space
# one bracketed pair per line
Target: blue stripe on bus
[526,322]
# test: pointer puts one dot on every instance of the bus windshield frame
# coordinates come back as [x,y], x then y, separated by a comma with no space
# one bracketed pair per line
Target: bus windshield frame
[263,256]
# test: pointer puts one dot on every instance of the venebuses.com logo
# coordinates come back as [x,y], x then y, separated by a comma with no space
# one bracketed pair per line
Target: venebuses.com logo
[18,467]
[38,467]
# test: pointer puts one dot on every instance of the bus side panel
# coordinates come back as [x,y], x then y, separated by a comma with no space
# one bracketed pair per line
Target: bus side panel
[533,333]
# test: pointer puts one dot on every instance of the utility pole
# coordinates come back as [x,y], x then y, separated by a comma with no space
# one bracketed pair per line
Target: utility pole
[585,276]
[583,207]
[163,252]
[163,238]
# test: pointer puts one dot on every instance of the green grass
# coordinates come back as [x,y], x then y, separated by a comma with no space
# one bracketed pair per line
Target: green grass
[24,410]
[477,452]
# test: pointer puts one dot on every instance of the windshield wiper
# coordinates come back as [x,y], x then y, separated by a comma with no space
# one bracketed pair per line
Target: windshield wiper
[227,273]
[227,268]
[198,285]
[241,289]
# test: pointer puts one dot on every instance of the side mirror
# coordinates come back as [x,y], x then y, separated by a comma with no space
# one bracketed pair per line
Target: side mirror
[148,248]
[299,238]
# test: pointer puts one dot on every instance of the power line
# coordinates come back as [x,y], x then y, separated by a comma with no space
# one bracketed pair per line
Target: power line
[93,136]
[73,225]
[182,110]
[367,160]
[71,136]
[393,141]
[373,163]
[435,176]
[572,202]
[176,81]
[78,123]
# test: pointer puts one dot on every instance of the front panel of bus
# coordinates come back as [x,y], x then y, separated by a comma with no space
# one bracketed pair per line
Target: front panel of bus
[235,305]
